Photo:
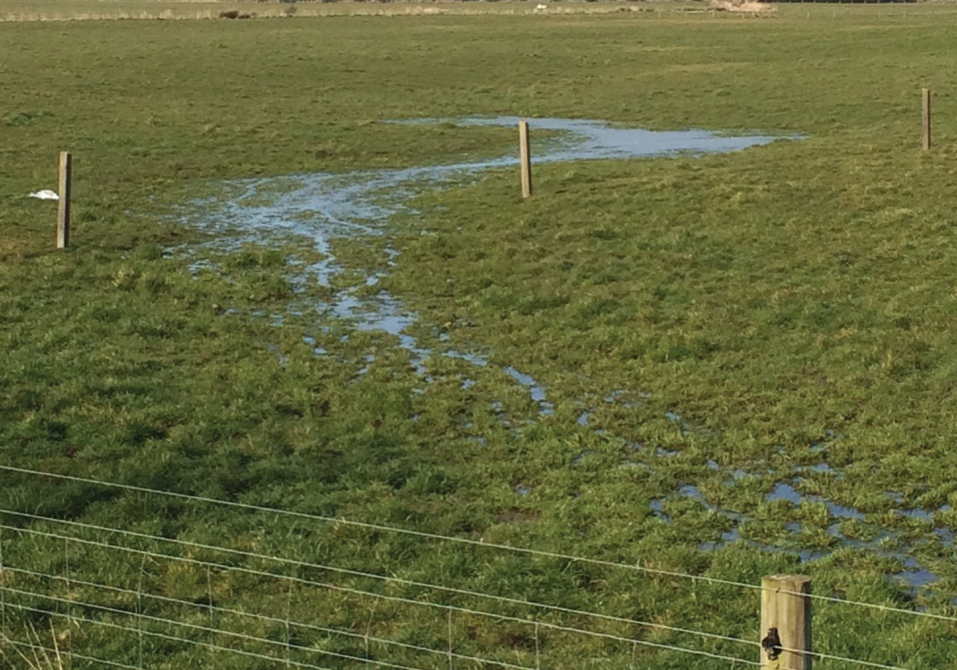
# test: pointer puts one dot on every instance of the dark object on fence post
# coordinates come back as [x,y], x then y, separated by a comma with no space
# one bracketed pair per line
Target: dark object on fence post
[926,99]
[63,211]
[786,622]
[772,644]
[526,158]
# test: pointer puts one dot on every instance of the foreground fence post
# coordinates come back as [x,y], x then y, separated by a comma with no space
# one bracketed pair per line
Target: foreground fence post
[526,158]
[786,622]
[926,100]
[63,211]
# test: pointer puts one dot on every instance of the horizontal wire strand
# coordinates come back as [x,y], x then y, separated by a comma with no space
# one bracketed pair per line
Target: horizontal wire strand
[389,529]
[874,606]
[192,626]
[393,598]
[462,540]
[197,627]
[817,655]
[263,617]
[407,601]
[249,638]
[37,647]
[173,638]
[732,659]
[399,580]
[467,541]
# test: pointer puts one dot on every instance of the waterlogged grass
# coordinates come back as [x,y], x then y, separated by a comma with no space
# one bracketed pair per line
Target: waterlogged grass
[729,322]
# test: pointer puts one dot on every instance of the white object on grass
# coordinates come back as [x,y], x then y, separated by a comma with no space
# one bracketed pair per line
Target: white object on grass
[45,194]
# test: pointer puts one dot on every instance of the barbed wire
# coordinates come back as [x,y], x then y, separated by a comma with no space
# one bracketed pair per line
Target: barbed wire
[399,580]
[399,599]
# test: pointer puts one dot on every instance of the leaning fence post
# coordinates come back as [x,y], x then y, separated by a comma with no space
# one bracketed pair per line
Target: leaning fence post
[925,96]
[526,158]
[786,622]
[63,211]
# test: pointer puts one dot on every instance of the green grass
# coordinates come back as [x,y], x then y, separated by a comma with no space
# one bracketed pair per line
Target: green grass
[774,299]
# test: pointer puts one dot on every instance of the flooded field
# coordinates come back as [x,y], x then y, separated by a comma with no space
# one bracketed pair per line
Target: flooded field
[321,209]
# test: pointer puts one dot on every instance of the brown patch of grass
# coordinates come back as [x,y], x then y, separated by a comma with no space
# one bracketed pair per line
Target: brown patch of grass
[16,248]
[748,7]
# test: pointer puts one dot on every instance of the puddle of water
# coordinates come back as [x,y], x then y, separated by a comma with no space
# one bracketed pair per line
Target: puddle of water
[616,396]
[474,359]
[590,139]
[535,389]
[883,541]
[727,537]
[323,207]
[785,491]
[946,536]
[824,468]
[842,512]
[686,427]
[917,577]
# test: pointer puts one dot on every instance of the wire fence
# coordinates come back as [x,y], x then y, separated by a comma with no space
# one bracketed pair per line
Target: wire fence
[100,595]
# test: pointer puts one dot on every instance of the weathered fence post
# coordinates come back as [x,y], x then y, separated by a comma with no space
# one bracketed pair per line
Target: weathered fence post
[526,158]
[63,211]
[786,622]
[926,100]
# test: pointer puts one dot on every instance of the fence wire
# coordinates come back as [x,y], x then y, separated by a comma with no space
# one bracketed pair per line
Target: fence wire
[75,583]
[467,541]
[9,596]
[369,575]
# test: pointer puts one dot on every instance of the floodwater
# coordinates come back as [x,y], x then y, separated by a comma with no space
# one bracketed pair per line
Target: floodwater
[321,208]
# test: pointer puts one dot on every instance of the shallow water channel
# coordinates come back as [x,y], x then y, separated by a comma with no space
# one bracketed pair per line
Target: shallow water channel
[322,208]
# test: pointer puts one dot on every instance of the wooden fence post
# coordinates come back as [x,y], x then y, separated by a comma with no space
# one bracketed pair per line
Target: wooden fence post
[926,100]
[786,622]
[63,211]
[526,158]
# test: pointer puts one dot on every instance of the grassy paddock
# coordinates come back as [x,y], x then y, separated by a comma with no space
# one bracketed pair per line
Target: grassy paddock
[794,303]
[80,10]
[58,10]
